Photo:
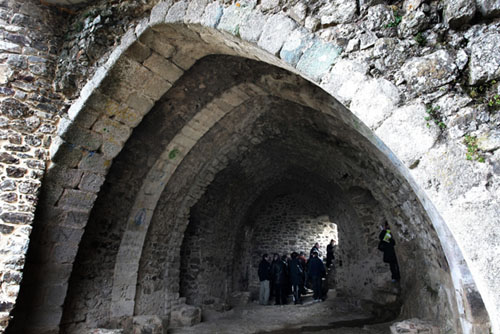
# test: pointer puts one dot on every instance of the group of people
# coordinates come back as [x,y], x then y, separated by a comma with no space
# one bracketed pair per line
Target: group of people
[288,274]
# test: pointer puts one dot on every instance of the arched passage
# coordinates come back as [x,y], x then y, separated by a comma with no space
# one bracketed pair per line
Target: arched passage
[171,177]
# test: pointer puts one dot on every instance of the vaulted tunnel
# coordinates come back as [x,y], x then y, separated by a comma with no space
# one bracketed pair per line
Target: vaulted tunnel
[284,166]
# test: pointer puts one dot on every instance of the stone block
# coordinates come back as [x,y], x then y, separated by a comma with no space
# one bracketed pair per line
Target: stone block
[195,11]
[140,104]
[6,229]
[94,162]
[378,17]
[98,101]
[55,294]
[17,218]
[112,130]
[414,326]
[240,298]
[176,12]
[294,46]
[63,234]
[212,15]
[159,12]
[185,315]
[489,8]
[72,218]
[344,79]
[45,318]
[10,47]
[65,177]
[275,32]
[16,172]
[111,149]
[91,182]
[317,60]
[489,141]
[188,54]
[406,134]
[117,88]
[234,16]
[412,23]
[485,59]
[83,138]
[104,331]
[14,109]
[66,154]
[251,28]
[155,87]
[138,52]
[122,308]
[64,253]
[133,73]
[29,187]
[157,43]
[375,101]
[459,12]
[9,197]
[335,12]
[8,158]
[77,199]
[149,324]
[426,73]
[8,185]
[163,67]
[5,74]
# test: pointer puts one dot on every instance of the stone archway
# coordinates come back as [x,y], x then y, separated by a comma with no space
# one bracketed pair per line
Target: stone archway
[157,64]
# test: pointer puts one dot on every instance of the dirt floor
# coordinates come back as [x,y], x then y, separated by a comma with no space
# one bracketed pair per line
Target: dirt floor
[334,315]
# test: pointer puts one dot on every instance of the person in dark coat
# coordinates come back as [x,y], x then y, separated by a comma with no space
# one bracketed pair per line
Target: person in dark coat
[330,253]
[264,278]
[272,293]
[296,277]
[387,244]
[316,271]
[302,259]
[279,275]
[315,248]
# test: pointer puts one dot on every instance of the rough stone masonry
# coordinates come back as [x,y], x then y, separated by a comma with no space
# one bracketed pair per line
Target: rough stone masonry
[132,129]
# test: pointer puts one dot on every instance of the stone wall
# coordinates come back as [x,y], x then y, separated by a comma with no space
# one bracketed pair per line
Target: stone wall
[422,76]
[29,108]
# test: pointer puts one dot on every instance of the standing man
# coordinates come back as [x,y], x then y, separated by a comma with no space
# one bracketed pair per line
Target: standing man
[296,277]
[279,276]
[386,245]
[330,253]
[315,249]
[264,277]
[316,271]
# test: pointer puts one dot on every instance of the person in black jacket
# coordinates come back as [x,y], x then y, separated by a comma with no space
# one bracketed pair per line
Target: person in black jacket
[279,276]
[387,244]
[316,271]
[264,277]
[296,277]
[315,248]
[330,253]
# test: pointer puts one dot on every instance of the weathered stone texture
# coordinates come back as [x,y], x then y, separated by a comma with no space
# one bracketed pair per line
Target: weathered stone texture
[485,60]
[457,13]
[382,64]
[317,60]
[275,33]
[406,134]
[336,12]
[429,72]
